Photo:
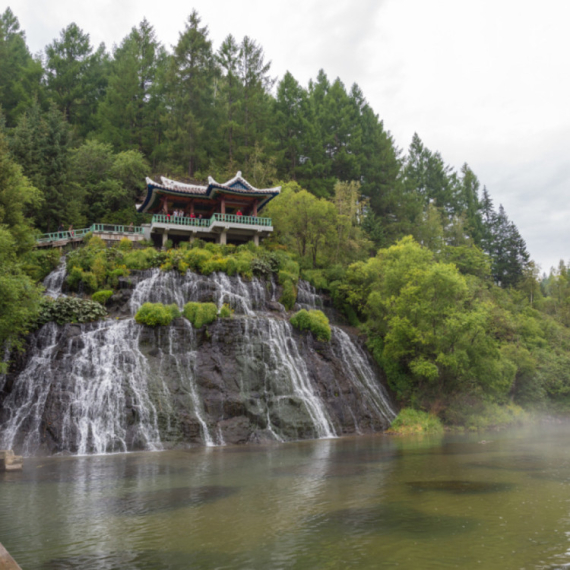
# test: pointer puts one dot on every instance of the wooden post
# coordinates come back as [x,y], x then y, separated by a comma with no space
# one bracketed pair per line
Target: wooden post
[222,205]
[192,208]
[6,561]
[255,208]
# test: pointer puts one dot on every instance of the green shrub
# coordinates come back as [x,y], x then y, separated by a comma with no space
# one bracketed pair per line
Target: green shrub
[226,311]
[174,310]
[39,263]
[154,314]
[125,244]
[316,278]
[102,296]
[69,310]
[289,295]
[475,415]
[415,421]
[77,276]
[314,321]
[200,314]
[113,276]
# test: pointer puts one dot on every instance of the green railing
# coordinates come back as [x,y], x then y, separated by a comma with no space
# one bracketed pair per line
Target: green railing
[180,220]
[248,220]
[206,223]
[80,234]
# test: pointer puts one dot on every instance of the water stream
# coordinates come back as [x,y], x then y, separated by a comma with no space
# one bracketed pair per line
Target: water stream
[117,386]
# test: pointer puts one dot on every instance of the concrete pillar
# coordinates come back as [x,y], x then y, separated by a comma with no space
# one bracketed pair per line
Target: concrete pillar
[192,237]
[223,239]
[164,239]
[256,240]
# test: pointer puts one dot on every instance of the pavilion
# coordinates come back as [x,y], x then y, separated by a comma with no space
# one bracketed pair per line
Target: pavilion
[224,213]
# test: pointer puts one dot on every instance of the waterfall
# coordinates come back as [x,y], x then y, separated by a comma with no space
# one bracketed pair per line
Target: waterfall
[307,296]
[98,378]
[171,287]
[114,385]
[357,367]
[54,281]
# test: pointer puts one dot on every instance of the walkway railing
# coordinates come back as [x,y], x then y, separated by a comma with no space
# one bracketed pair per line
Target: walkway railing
[205,222]
[76,235]
[180,221]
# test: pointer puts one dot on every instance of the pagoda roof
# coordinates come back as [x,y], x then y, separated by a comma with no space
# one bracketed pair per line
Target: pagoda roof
[237,186]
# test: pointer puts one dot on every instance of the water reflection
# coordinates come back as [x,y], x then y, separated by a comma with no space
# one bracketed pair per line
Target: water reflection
[361,503]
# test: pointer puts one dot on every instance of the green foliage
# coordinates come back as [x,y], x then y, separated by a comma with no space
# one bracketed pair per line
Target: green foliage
[200,314]
[477,415]
[102,296]
[69,310]
[289,295]
[410,421]
[314,321]
[226,312]
[155,314]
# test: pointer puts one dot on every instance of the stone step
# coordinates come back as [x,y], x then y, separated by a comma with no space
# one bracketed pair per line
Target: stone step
[9,461]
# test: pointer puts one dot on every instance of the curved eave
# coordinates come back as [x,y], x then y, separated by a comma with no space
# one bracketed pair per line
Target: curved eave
[213,189]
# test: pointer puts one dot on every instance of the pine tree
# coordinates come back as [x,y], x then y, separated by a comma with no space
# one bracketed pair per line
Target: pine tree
[190,98]
[41,143]
[76,76]
[20,74]
[130,113]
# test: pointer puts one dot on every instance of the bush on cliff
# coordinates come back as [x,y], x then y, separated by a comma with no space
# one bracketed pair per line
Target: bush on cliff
[102,297]
[156,314]
[200,314]
[314,321]
[69,310]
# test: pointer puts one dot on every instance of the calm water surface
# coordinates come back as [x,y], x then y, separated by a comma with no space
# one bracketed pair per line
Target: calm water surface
[367,502]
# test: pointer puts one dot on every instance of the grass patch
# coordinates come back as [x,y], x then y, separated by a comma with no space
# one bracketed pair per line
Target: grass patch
[410,421]
[156,314]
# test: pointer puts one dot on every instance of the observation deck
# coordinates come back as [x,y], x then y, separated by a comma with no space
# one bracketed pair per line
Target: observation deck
[219,227]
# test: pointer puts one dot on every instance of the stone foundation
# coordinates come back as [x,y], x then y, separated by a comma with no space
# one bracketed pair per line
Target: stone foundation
[10,462]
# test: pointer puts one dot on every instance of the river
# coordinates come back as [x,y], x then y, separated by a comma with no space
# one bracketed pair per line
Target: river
[492,501]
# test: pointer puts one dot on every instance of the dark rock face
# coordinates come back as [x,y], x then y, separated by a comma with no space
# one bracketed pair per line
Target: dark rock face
[117,385]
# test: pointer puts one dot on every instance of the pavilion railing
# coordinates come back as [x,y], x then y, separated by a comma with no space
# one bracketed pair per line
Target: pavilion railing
[207,222]
[180,220]
[80,234]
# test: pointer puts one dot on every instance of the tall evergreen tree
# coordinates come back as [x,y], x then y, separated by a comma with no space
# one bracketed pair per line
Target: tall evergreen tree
[130,113]
[41,143]
[20,74]
[190,98]
[76,76]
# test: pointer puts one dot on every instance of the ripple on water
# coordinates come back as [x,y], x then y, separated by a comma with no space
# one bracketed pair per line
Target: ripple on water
[525,463]
[457,487]
[139,560]
[313,470]
[396,518]
[146,502]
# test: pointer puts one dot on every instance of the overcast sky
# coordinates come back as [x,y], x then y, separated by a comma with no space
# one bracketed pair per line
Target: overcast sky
[483,81]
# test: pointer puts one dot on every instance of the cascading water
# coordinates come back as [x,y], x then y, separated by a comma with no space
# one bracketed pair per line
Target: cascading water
[54,281]
[116,385]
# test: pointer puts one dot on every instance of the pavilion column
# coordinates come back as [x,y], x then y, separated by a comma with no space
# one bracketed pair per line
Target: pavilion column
[192,208]
[255,209]
[164,239]
[223,239]
[256,240]
[223,205]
